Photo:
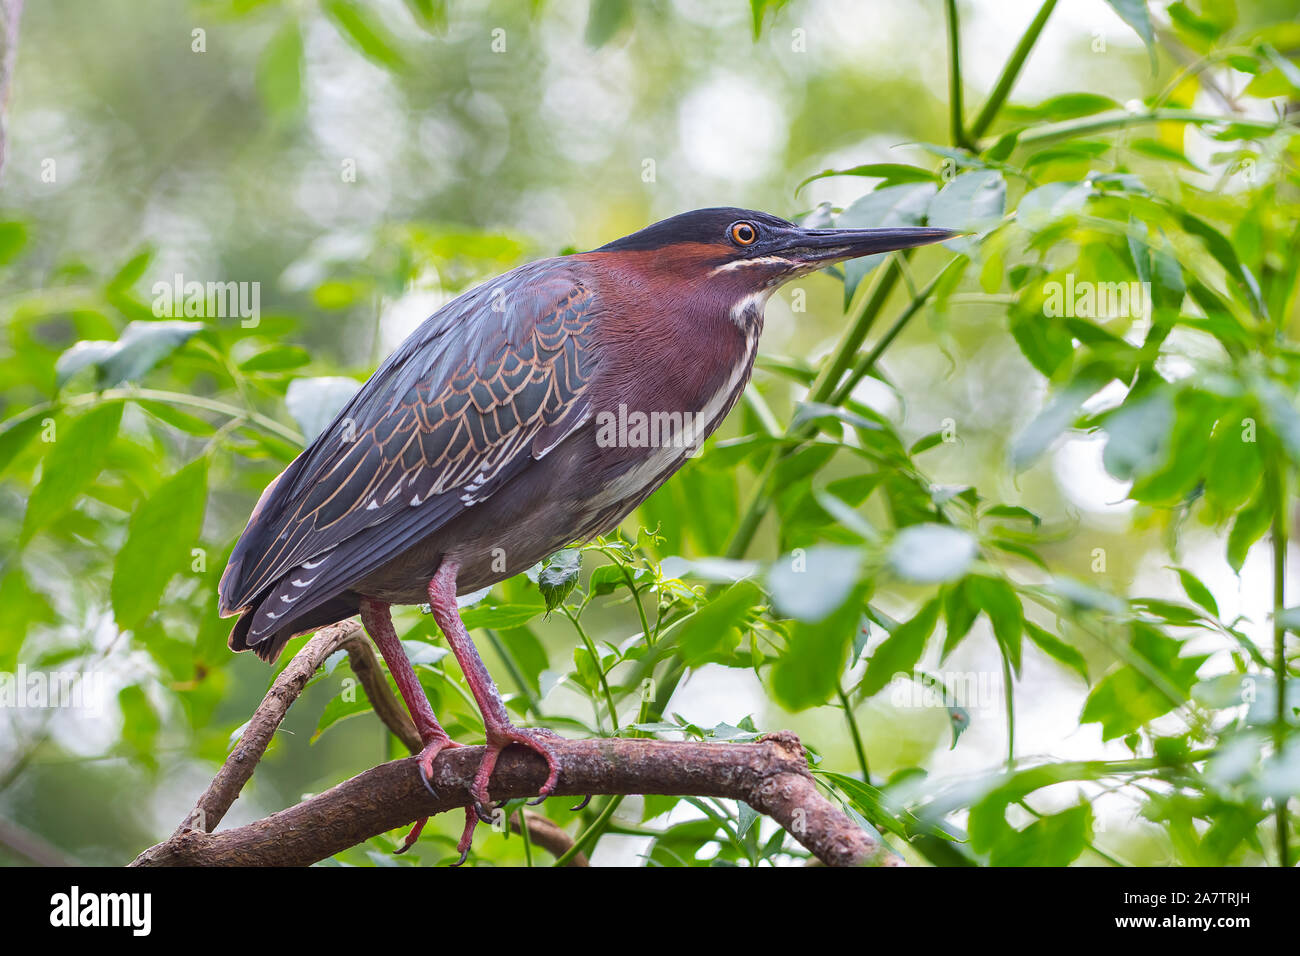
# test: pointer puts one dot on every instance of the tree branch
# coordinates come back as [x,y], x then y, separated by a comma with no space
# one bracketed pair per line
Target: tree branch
[770,775]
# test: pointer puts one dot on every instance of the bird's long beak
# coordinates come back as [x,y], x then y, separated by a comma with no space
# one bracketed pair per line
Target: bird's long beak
[824,246]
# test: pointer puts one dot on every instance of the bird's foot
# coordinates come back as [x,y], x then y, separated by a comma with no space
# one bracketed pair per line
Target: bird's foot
[434,744]
[498,739]
[466,836]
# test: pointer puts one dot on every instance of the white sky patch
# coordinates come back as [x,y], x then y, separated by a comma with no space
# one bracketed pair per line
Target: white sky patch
[1110,396]
[731,129]
[714,694]
[1077,466]
[991,29]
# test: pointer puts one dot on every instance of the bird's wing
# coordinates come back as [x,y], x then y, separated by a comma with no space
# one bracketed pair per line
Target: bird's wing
[488,383]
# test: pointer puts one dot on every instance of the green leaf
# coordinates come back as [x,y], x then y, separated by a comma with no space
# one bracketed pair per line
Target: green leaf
[1164,152]
[13,237]
[1057,649]
[1063,107]
[1136,15]
[1053,840]
[1222,250]
[140,725]
[431,15]
[1197,591]
[16,436]
[1045,343]
[1138,435]
[606,18]
[1058,415]
[348,702]
[161,535]
[900,652]
[1252,521]
[141,346]
[893,174]
[190,424]
[362,28]
[279,72]
[1234,462]
[501,616]
[711,631]
[559,576]
[1189,442]
[608,578]
[1128,698]
[1283,419]
[73,461]
[972,202]
[931,553]
[1013,511]
[587,668]
[959,614]
[131,271]
[811,585]
[759,10]
[812,665]
[277,359]
[998,599]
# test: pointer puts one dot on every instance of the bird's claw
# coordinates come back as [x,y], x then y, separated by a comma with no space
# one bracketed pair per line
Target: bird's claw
[433,745]
[498,739]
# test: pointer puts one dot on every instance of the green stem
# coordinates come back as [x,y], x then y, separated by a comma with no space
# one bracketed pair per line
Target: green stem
[1104,122]
[595,658]
[165,397]
[864,365]
[955,130]
[855,734]
[1011,711]
[1011,72]
[884,281]
[528,843]
[1276,478]
[591,833]
[517,675]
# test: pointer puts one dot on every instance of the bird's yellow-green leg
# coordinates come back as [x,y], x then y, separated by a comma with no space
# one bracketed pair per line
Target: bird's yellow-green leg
[501,733]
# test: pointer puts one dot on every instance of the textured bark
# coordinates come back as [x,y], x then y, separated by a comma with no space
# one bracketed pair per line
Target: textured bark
[771,775]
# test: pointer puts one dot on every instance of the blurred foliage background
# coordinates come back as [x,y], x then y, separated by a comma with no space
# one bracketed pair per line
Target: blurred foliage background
[1013,561]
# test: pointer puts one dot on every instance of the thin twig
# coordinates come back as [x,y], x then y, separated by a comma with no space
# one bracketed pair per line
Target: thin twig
[239,766]
[550,836]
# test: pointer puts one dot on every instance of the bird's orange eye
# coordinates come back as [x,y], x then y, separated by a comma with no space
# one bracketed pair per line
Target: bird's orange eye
[743,233]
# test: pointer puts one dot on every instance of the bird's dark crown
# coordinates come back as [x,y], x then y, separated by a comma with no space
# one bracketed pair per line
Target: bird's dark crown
[710,226]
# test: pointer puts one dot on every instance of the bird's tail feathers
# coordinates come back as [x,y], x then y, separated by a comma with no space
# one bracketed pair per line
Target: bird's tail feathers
[269,646]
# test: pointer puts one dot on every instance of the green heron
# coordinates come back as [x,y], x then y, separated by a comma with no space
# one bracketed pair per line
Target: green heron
[476,449]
